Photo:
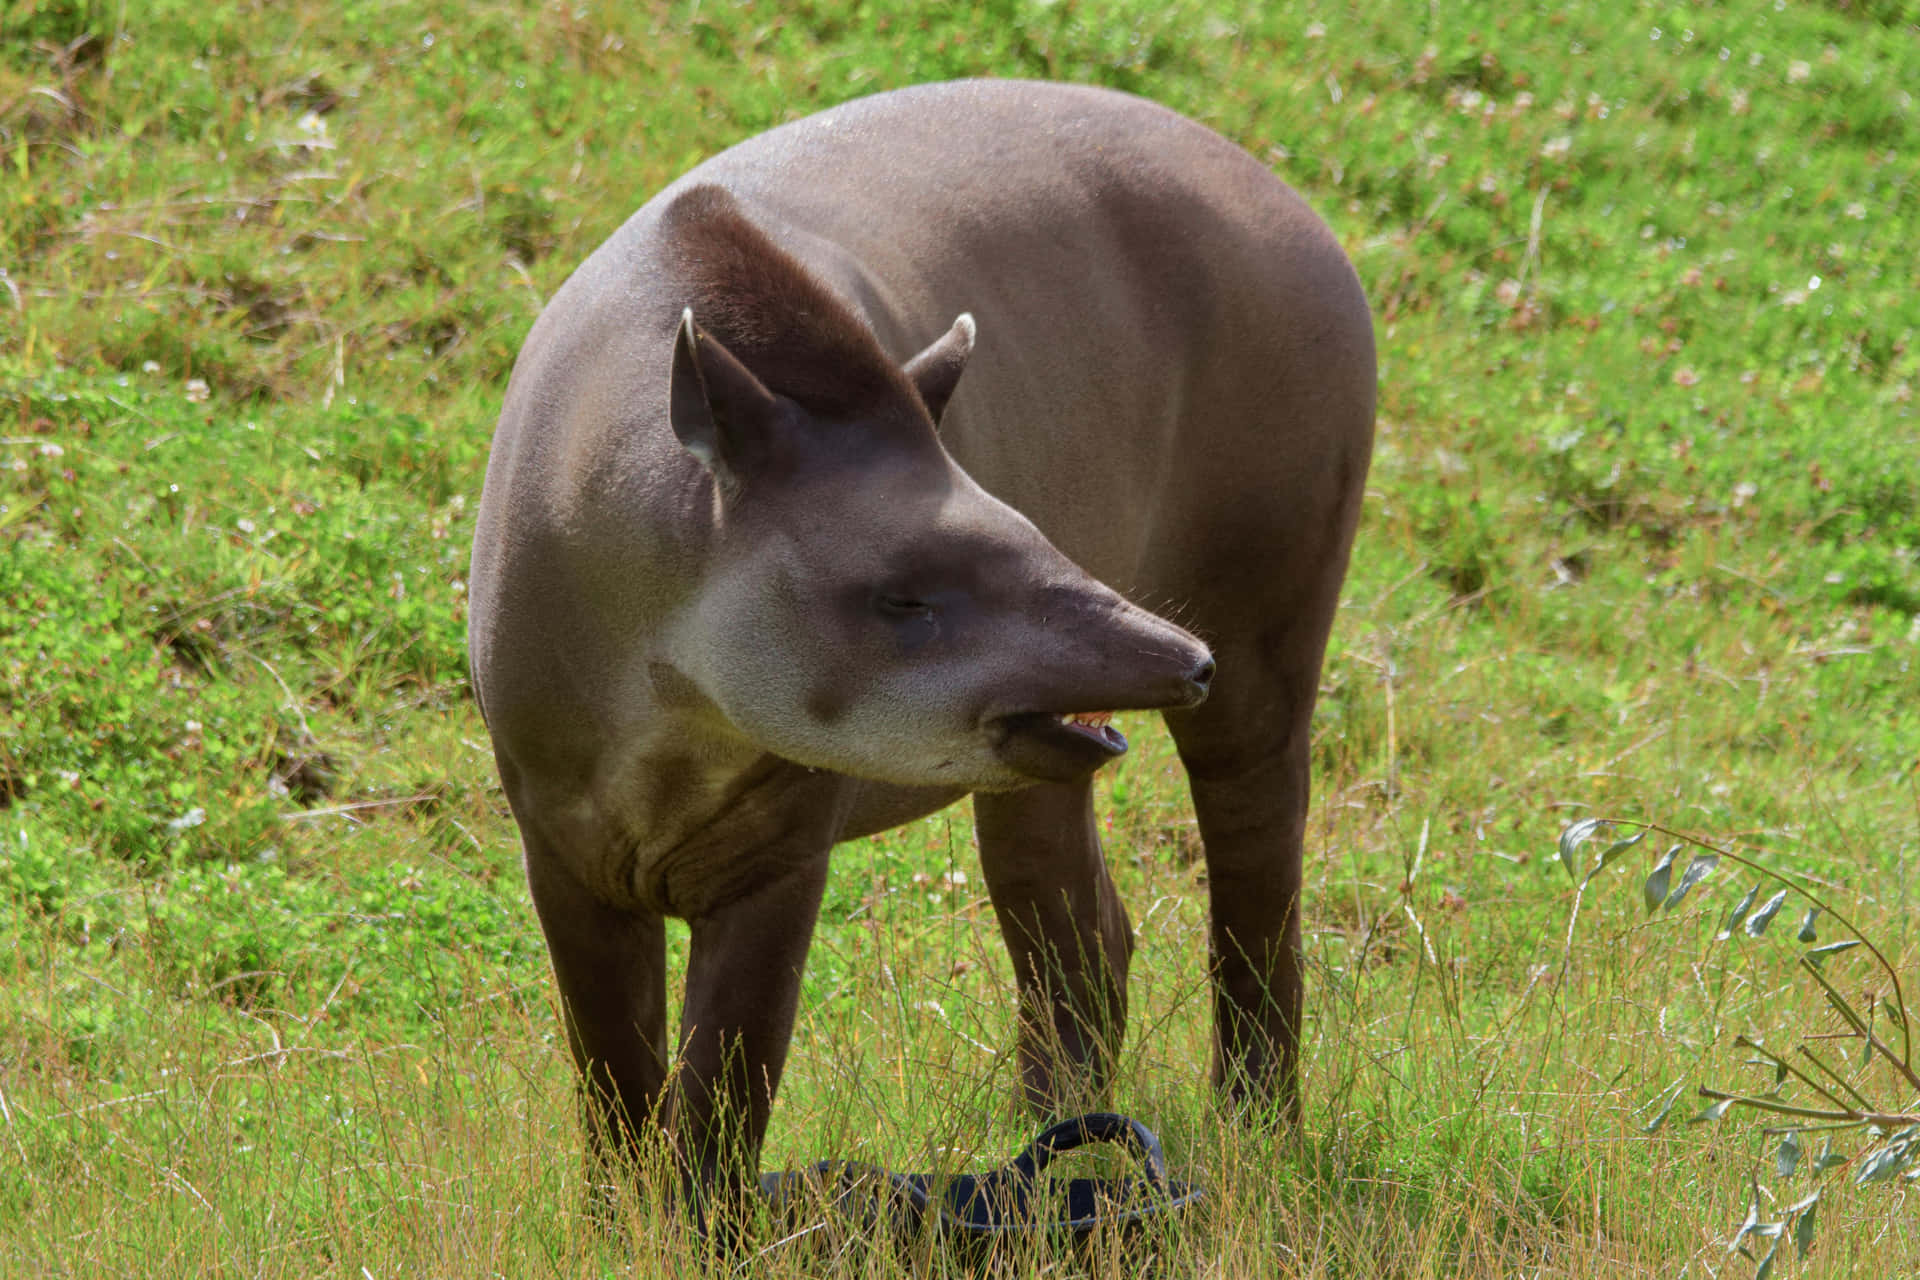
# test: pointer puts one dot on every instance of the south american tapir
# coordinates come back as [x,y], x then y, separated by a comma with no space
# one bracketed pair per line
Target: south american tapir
[852,475]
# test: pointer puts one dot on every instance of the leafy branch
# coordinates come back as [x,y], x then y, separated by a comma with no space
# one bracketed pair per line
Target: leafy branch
[1880,1033]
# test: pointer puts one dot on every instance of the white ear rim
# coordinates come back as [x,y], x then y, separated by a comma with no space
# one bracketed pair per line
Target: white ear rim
[687,338]
[936,371]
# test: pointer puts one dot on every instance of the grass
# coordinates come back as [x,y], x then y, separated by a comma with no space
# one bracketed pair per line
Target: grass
[1641,540]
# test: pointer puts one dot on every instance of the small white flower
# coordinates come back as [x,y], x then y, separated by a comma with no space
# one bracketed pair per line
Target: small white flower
[198,390]
[1798,71]
[149,366]
[1557,148]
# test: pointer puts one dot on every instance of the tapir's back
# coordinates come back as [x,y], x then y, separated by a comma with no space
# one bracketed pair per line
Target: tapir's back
[1165,329]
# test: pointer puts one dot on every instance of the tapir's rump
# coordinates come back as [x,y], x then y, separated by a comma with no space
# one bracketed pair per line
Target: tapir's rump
[758,569]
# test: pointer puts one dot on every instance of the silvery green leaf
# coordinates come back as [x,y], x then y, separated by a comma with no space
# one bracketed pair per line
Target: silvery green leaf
[1739,913]
[1883,1164]
[1666,1109]
[1804,1225]
[1786,1159]
[1747,1224]
[1655,890]
[1757,922]
[1696,872]
[1576,834]
[1612,852]
[1834,948]
[1806,926]
[1713,1112]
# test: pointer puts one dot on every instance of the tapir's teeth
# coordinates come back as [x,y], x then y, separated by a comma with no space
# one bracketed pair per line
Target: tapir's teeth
[1091,719]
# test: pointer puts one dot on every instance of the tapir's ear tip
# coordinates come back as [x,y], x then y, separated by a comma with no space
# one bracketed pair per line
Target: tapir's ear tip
[935,371]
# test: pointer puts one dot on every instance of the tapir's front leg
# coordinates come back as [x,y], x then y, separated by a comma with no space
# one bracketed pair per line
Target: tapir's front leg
[1068,935]
[743,985]
[610,965]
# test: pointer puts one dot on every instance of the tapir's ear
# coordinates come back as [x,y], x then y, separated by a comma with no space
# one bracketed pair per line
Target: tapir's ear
[936,371]
[718,409]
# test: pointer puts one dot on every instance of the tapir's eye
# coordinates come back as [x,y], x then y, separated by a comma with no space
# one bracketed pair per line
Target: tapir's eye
[901,607]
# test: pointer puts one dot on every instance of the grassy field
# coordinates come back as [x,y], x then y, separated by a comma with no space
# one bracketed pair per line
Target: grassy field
[1641,541]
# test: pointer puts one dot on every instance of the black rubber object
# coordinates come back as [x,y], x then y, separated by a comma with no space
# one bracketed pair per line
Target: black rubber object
[1012,1199]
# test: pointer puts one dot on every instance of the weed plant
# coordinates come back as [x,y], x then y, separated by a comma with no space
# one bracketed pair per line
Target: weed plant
[1640,542]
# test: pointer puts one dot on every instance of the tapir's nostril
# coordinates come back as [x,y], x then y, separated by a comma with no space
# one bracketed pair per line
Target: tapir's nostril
[1202,675]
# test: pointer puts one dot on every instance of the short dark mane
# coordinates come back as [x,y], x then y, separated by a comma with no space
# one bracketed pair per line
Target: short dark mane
[783,322]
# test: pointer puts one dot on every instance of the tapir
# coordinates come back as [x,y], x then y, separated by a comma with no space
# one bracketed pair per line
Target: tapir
[757,570]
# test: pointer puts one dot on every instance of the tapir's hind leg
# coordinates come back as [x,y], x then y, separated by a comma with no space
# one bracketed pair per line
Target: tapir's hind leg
[610,968]
[1067,933]
[1247,752]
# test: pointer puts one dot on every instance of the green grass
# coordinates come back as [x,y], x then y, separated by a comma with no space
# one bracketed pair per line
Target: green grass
[1640,540]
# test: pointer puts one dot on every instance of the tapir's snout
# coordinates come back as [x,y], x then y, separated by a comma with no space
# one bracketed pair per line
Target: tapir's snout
[1200,680]
[1061,729]
[1184,680]
[1174,668]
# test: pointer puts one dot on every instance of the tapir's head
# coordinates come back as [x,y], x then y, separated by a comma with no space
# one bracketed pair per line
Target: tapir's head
[872,610]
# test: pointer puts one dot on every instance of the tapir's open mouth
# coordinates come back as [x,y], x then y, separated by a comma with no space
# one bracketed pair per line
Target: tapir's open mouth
[1056,746]
[1097,725]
